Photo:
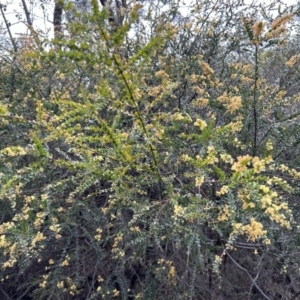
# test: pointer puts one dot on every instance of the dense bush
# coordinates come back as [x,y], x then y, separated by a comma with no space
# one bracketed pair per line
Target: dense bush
[147,155]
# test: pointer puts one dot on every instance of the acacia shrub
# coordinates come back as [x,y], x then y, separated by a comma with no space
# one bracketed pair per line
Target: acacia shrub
[121,182]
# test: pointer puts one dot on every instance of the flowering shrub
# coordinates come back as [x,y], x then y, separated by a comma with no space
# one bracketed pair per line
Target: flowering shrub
[127,173]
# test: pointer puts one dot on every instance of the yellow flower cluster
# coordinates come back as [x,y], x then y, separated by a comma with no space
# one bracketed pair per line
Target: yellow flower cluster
[200,101]
[211,155]
[258,28]
[71,286]
[56,229]
[60,285]
[66,261]
[167,264]
[218,259]
[186,157]
[39,219]
[179,211]
[279,181]
[200,123]
[61,209]
[162,74]
[154,91]
[117,239]
[269,200]
[3,242]
[292,61]
[224,190]
[269,145]
[136,229]
[264,189]
[232,104]
[38,238]
[278,26]
[275,211]
[242,163]
[207,70]
[235,126]
[172,275]
[10,263]
[224,214]
[244,195]
[29,199]
[281,21]
[178,116]
[294,173]
[116,293]
[194,78]
[254,230]
[3,109]
[44,282]
[13,151]
[259,165]
[97,236]
[266,200]
[199,181]
[226,158]
[6,226]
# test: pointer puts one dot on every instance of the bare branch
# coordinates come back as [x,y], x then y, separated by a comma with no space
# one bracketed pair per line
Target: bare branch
[5,294]
[8,28]
[27,13]
[246,271]
[57,16]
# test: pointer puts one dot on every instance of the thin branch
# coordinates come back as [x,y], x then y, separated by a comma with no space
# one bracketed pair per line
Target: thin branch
[252,285]
[5,294]
[27,13]
[265,135]
[108,8]
[57,16]
[22,296]
[8,28]
[295,296]
[256,277]
[246,271]
[239,245]
[255,102]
